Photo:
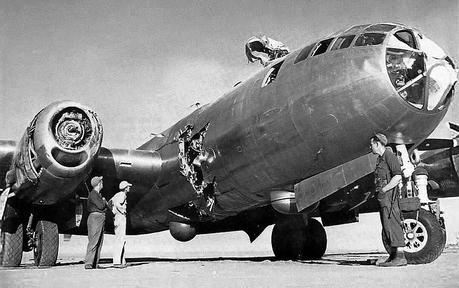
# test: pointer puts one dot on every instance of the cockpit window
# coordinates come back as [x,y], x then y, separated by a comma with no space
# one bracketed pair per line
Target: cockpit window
[421,72]
[405,69]
[440,76]
[405,38]
[367,39]
[343,42]
[304,53]
[322,47]
[438,84]
[380,27]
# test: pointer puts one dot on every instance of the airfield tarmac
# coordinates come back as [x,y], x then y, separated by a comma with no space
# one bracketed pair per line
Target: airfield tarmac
[229,260]
[334,270]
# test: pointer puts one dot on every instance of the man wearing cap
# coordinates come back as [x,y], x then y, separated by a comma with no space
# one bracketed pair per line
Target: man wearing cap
[119,205]
[97,206]
[388,174]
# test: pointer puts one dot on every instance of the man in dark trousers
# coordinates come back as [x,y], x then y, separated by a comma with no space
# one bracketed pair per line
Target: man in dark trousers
[388,175]
[97,206]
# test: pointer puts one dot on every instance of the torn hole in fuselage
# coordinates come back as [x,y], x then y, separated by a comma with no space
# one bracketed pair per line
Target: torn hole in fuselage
[191,157]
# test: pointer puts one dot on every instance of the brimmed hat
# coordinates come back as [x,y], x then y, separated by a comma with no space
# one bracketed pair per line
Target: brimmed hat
[95,180]
[382,138]
[124,184]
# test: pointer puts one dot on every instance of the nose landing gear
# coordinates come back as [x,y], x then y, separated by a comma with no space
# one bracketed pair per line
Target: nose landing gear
[424,237]
[41,236]
[46,246]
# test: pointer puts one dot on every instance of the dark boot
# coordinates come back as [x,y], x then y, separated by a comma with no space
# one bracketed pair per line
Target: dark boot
[393,252]
[399,260]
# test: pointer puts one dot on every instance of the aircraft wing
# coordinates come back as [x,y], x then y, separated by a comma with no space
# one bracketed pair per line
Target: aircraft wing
[440,158]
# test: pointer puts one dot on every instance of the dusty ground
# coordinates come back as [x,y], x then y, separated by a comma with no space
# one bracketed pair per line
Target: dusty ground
[229,260]
[334,270]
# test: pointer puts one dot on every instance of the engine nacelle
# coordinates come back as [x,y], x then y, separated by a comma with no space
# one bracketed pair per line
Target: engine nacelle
[56,153]
[284,202]
[135,166]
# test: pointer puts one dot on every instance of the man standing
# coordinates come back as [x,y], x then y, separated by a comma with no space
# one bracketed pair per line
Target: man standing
[119,202]
[388,174]
[97,206]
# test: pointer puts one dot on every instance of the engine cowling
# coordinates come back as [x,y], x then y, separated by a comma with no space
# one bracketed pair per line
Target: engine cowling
[56,153]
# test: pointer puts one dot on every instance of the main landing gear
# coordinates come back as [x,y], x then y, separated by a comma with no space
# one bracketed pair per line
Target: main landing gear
[46,246]
[18,235]
[11,238]
[296,238]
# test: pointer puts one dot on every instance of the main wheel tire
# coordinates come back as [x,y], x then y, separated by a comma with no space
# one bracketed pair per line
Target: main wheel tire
[11,239]
[425,239]
[47,243]
[317,240]
[291,239]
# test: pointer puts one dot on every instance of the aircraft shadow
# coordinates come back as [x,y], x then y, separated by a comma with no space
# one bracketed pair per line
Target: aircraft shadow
[333,259]
[330,259]
[358,259]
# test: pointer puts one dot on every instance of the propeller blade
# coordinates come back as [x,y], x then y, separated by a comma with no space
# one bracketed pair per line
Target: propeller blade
[453,126]
[433,144]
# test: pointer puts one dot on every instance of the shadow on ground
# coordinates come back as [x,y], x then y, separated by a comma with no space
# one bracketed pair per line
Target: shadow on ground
[330,259]
[356,259]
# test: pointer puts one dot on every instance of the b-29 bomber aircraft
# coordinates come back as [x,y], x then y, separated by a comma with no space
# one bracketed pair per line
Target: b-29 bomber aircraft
[283,147]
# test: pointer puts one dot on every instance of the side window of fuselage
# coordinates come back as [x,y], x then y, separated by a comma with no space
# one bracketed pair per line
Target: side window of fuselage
[343,42]
[304,53]
[322,47]
[272,74]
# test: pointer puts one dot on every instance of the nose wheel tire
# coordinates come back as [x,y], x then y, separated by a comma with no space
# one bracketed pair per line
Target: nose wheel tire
[291,239]
[47,243]
[425,239]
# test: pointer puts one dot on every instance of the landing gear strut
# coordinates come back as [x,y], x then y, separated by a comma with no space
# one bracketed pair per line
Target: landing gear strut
[292,239]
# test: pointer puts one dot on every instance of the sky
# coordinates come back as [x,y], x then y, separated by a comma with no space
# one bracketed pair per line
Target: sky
[141,64]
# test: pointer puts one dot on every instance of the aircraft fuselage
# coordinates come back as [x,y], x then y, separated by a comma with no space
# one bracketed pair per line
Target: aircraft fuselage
[316,114]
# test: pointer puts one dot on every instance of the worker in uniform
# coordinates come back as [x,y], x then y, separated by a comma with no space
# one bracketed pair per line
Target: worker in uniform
[119,205]
[97,206]
[388,174]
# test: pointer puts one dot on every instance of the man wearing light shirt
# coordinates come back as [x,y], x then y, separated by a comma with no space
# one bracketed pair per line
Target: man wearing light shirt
[119,205]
